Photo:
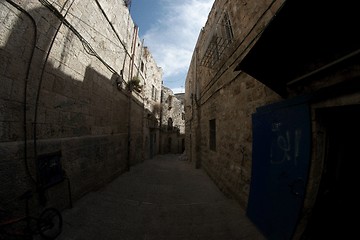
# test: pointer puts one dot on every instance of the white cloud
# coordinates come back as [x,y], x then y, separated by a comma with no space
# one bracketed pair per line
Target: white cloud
[173,37]
[178,90]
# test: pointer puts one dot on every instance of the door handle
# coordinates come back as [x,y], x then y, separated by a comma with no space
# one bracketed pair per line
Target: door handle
[297,187]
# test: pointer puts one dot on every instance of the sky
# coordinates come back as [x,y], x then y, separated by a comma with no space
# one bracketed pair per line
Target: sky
[170,29]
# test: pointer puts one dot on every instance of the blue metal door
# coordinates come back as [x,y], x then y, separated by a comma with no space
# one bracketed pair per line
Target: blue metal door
[281,155]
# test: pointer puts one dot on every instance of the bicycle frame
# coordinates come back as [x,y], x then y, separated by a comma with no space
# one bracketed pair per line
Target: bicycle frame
[48,224]
[28,231]
[7,227]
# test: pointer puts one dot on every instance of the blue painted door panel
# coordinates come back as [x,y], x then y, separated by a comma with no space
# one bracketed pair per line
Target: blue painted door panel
[281,155]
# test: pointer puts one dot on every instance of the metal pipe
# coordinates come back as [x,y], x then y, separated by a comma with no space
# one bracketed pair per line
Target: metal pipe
[42,76]
[26,83]
[339,60]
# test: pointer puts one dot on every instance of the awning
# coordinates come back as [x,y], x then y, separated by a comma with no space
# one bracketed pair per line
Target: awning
[303,37]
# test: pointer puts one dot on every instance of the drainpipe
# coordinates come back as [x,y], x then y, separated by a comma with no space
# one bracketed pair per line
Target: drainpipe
[133,48]
[129,93]
[141,53]
[143,105]
[198,116]
[161,119]
[130,96]
[26,85]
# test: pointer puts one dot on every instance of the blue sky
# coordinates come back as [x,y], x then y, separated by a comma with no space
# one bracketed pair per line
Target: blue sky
[170,29]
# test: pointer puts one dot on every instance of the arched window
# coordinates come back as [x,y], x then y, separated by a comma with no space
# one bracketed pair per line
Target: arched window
[170,124]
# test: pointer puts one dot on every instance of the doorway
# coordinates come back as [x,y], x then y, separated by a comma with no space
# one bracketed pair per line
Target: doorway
[334,208]
[280,161]
[152,143]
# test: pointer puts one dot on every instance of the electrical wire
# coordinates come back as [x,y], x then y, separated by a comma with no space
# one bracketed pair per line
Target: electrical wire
[218,74]
[117,35]
[42,76]
[110,40]
[112,27]
[86,45]
[25,85]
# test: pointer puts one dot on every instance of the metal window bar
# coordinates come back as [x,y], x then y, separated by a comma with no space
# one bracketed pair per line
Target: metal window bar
[228,28]
[214,51]
[220,38]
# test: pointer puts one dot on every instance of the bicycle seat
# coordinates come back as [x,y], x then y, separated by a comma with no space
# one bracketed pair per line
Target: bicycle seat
[27,195]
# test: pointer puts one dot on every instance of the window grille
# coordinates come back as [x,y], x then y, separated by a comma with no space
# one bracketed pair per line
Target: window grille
[220,39]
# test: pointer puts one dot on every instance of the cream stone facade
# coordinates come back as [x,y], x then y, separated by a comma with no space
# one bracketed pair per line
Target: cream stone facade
[172,122]
[77,81]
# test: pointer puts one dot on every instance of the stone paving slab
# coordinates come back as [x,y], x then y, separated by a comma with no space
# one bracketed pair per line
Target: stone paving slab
[162,198]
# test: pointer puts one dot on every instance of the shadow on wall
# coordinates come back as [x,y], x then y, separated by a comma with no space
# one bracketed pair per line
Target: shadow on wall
[85,120]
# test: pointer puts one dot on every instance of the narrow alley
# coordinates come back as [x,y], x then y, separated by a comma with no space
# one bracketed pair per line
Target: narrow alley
[162,198]
[256,142]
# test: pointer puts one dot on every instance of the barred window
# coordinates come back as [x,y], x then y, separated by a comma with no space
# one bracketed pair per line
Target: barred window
[219,39]
[228,28]
[142,66]
[153,93]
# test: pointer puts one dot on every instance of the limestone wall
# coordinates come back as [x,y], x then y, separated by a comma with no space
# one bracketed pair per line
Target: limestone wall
[172,122]
[215,91]
[220,101]
[62,91]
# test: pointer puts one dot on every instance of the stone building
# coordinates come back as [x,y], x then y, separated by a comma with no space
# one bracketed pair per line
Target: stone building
[172,122]
[151,78]
[272,112]
[78,90]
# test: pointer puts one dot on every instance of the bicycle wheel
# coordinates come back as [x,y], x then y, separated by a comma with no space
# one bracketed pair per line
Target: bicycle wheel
[50,223]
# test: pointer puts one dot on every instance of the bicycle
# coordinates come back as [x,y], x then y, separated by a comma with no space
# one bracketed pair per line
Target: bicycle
[48,225]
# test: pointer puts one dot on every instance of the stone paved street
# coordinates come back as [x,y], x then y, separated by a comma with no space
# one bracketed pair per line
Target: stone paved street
[162,198]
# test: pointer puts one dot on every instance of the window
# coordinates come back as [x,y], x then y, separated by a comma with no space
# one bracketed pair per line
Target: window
[170,124]
[212,134]
[228,29]
[218,42]
[169,102]
[142,66]
[169,144]
[153,92]
[216,53]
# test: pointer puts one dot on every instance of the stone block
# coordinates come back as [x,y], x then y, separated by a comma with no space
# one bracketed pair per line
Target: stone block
[43,26]
[6,86]
[78,104]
